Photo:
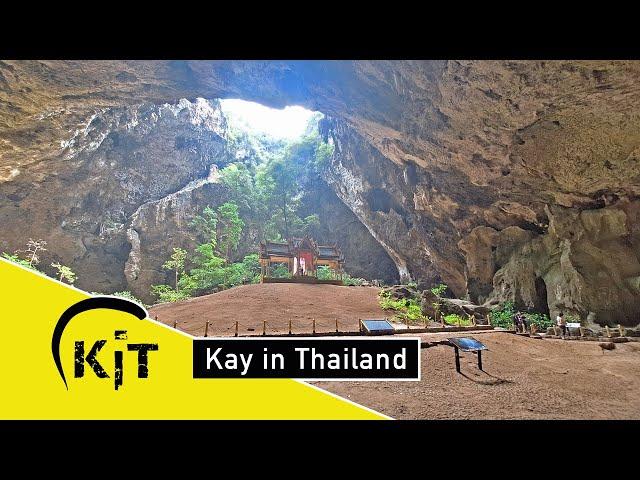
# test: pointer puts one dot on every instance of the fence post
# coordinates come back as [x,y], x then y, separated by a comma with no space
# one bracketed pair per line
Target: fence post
[606,327]
[336,324]
[206,328]
[314,326]
[175,324]
[621,329]
[236,328]
[264,328]
[289,326]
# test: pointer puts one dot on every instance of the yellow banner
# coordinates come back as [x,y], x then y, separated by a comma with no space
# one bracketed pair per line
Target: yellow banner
[113,371]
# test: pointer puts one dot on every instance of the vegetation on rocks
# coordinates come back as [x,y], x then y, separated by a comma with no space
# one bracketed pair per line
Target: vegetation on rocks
[457,320]
[503,317]
[406,309]
[64,273]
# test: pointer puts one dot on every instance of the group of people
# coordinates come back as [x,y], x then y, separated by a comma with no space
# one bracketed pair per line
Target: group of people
[522,324]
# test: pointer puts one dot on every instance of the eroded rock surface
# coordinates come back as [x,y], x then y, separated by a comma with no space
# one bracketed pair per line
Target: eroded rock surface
[469,172]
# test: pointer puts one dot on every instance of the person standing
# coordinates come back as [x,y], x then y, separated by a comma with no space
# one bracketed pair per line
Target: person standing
[562,323]
[516,321]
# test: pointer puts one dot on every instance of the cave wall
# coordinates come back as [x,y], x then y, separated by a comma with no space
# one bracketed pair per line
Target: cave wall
[128,185]
[431,150]
[364,256]
[122,159]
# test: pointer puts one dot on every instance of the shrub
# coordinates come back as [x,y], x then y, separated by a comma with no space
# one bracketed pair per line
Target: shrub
[540,320]
[167,294]
[349,280]
[324,273]
[16,259]
[439,289]
[280,271]
[455,320]
[503,317]
[406,309]
[64,273]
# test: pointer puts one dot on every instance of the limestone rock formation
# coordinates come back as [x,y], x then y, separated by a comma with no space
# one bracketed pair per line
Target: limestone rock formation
[128,184]
[364,256]
[121,160]
[504,179]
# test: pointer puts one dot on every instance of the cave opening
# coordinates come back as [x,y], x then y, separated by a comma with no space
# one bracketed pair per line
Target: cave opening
[542,304]
[290,123]
[286,143]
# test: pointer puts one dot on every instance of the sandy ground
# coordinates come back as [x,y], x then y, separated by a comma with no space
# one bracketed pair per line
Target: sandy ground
[523,378]
[276,303]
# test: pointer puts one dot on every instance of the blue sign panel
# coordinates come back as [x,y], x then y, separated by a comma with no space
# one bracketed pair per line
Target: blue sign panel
[467,344]
[378,326]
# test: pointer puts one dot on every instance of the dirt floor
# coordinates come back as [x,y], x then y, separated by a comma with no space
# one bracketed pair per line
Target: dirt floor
[276,303]
[524,378]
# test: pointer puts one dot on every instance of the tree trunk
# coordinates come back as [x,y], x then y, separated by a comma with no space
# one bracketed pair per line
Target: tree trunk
[284,211]
[33,257]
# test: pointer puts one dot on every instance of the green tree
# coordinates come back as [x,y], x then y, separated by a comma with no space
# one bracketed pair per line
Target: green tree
[208,271]
[229,229]
[176,263]
[284,185]
[322,155]
[31,257]
[206,225]
[220,228]
[64,273]
[33,248]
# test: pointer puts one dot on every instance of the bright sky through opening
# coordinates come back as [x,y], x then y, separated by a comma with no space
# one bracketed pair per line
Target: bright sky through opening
[288,123]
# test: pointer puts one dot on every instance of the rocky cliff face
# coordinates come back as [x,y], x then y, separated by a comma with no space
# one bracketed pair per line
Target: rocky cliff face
[127,185]
[125,166]
[505,179]
[364,255]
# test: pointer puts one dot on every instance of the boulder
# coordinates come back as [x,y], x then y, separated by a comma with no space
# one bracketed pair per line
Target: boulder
[450,306]
[402,292]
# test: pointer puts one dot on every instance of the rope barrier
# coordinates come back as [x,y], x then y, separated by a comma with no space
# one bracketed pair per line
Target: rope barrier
[294,326]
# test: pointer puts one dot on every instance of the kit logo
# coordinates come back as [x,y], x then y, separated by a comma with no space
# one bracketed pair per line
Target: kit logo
[81,357]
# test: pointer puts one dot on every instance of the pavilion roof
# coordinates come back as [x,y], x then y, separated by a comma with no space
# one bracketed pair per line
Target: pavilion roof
[288,249]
